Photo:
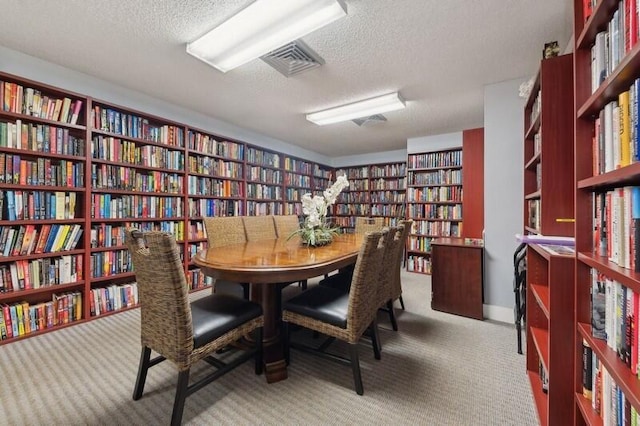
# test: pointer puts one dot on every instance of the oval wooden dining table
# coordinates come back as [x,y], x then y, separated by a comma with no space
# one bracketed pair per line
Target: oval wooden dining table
[267,265]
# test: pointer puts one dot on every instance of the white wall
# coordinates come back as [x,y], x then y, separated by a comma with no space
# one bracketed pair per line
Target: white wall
[26,66]
[503,183]
[434,143]
[371,158]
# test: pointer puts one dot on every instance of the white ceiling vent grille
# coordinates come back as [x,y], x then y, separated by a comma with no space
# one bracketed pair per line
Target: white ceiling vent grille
[293,58]
[370,120]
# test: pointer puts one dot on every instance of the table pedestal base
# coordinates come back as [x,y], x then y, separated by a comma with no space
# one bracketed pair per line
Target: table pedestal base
[275,371]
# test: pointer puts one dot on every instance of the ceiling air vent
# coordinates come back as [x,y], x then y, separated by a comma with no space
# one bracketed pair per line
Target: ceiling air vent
[370,120]
[293,58]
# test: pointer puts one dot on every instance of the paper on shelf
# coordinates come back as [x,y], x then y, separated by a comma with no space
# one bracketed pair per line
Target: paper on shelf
[546,239]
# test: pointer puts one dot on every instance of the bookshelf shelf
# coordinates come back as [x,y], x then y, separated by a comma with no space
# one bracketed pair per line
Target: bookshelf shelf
[541,341]
[541,293]
[540,398]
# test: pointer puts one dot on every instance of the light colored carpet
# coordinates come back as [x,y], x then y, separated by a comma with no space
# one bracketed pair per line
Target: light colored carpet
[439,369]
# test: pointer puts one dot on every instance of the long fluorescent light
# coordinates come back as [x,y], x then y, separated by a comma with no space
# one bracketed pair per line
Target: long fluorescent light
[378,105]
[261,27]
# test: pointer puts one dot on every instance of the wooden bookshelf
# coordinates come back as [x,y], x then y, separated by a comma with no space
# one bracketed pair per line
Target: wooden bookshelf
[298,180]
[548,150]
[549,210]
[434,203]
[549,326]
[264,182]
[605,168]
[355,200]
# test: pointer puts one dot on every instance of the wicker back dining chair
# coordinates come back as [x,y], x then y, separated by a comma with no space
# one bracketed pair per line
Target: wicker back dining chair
[390,275]
[259,228]
[286,225]
[223,231]
[340,315]
[368,224]
[178,330]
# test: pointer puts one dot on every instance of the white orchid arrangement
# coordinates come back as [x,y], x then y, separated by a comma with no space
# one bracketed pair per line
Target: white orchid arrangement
[315,231]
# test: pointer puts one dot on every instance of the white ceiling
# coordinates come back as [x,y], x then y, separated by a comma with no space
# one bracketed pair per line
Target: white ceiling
[437,54]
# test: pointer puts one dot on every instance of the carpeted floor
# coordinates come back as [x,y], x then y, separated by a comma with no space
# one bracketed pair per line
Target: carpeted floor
[439,369]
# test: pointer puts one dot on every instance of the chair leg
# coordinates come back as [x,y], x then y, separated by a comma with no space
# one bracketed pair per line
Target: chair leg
[375,339]
[303,284]
[392,315]
[355,367]
[258,355]
[401,302]
[143,367]
[181,396]
[245,291]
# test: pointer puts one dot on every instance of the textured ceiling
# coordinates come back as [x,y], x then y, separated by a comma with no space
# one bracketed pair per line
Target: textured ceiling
[437,54]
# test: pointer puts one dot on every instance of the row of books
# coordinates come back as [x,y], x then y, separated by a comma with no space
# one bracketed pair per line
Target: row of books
[112,298]
[107,235]
[38,273]
[215,167]
[439,177]
[123,151]
[206,144]
[197,230]
[387,196]
[535,107]
[389,170]
[607,398]
[381,184]
[29,101]
[353,209]
[614,43]
[616,135]
[295,165]
[121,123]
[274,177]
[434,211]
[387,210]
[292,179]
[319,172]
[533,213]
[19,319]
[194,248]
[40,171]
[354,172]
[614,318]
[320,184]
[617,226]
[202,186]
[264,192]
[356,185]
[37,205]
[108,263]
[419,244]
[40,138]
[264,158]
[196,279]
[25,240]
[354,197]
[215,207]
[117,206]
[435,194]
[255,208]
[435,160]
[106,176]
[293,208]
[419,264]
[438,228]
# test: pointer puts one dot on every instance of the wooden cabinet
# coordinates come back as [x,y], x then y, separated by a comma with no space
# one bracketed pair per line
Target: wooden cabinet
[457,278]
[606,172]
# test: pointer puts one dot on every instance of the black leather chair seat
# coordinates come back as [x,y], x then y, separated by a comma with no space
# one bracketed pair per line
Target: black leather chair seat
[340,281]
[228,312]
[325,304]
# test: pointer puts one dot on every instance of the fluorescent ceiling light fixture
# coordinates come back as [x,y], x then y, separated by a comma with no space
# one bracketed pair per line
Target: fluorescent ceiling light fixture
[261,27]
[378,105]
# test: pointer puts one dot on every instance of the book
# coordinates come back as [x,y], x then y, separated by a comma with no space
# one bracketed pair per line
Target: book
[598,305]
[77,106]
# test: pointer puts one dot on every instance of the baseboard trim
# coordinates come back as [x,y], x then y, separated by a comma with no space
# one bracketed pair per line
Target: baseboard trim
[498,313]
